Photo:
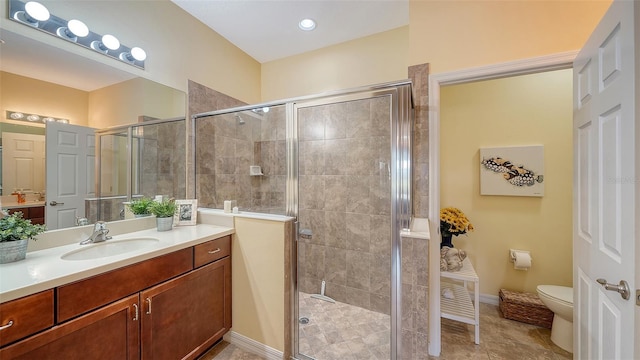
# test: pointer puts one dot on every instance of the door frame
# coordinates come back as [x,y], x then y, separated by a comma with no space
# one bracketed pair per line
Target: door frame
[558,61]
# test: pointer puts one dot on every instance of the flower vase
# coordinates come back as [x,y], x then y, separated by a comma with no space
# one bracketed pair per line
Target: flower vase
[446,241]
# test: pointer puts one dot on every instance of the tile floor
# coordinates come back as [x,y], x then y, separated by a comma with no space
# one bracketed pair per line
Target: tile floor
[342,331]
[499,339]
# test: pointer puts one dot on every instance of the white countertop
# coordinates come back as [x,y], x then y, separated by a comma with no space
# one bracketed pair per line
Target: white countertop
[44,269]
[15,204]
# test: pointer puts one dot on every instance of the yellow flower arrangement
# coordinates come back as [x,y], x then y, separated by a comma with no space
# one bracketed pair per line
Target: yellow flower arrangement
[454,222]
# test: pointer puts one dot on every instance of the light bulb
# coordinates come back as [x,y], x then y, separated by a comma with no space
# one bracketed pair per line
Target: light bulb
[16,115]
[78,28]
[111,42]
[265,109]
[33,117]
[138,53]
[37,11]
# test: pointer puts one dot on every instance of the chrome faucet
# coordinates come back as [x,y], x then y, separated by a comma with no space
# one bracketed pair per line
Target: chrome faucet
[100,232]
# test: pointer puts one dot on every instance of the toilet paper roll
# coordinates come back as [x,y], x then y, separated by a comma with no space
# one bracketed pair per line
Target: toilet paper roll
[522,260]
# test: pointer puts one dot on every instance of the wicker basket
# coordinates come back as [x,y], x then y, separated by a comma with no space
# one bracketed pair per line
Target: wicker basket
[525,307]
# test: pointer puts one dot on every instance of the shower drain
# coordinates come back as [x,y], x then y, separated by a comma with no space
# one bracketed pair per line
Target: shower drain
[303,320]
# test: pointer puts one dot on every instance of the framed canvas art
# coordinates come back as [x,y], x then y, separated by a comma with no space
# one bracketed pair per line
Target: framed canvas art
[512,171]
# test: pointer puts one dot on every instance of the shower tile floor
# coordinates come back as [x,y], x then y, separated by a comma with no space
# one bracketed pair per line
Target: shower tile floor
[342,331]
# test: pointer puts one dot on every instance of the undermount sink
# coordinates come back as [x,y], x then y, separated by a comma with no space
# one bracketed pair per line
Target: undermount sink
[109,248]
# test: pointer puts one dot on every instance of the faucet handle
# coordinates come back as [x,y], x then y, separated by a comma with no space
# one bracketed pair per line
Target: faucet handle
[99,225]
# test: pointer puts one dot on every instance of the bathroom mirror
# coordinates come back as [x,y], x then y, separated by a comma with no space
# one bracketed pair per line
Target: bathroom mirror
[108,96]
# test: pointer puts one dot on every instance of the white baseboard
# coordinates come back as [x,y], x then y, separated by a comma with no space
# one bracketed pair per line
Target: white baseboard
[488,299]
[253,346]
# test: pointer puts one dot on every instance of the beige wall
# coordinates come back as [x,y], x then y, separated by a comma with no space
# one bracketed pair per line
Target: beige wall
[178,46]
[258,281]
[370,60]
[18,93]
[452,35]
[523,110]
[125,102]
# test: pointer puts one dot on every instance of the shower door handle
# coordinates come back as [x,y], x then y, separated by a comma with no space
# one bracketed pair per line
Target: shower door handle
[622,288]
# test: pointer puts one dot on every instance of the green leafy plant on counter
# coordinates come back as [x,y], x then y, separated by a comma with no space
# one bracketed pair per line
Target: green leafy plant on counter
[163,209]
[14,227]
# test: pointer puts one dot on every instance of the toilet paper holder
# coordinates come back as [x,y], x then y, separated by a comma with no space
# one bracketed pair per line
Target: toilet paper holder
[512,254]
[521,259]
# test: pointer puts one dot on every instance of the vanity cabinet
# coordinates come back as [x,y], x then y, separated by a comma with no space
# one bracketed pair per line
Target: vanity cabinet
[25,316]
[183,317]
[168,307]
[33,213]
[112,332]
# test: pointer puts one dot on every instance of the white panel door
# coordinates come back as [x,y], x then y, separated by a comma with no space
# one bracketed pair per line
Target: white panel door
[22,162]
[605,179]
[70,173]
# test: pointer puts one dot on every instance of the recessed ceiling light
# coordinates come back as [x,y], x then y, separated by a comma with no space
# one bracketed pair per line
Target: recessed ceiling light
[307,24]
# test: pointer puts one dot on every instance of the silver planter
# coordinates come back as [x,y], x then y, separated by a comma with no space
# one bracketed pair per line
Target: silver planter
[11,251]
[164,224]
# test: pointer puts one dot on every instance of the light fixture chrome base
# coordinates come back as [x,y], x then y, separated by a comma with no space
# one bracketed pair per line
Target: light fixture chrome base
[22,17]
[59,28]
[64,32]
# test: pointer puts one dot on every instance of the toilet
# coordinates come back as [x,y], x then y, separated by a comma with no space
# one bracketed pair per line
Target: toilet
[559,299]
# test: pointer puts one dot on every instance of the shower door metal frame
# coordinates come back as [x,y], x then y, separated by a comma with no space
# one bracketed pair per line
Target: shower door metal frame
[401,127]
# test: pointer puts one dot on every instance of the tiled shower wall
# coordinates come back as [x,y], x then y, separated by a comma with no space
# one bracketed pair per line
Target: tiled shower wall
[344,199]
[228,145]
[161,162]
[415,252]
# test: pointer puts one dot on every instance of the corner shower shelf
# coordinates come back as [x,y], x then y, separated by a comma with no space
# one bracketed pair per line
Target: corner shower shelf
[461,308]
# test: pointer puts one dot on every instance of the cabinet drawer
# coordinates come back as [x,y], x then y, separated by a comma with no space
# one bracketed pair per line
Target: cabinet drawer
[27,315]
[85,295]
[211,251]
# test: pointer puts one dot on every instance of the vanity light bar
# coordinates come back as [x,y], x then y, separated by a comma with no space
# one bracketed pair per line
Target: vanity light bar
[33,118]
[74,31]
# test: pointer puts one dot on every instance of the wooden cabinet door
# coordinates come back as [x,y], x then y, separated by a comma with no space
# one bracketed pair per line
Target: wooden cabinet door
[185,316]
[112,332]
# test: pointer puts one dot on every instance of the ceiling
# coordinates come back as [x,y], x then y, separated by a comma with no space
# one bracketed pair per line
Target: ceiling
[268,29]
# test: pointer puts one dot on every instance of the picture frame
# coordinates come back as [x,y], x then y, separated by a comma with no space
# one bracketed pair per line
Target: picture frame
[186,212]
[512,171]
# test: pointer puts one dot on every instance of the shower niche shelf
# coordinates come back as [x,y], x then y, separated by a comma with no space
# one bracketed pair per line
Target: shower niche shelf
[460,307]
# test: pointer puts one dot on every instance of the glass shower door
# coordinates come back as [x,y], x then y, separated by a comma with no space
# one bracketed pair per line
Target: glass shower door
[346,203]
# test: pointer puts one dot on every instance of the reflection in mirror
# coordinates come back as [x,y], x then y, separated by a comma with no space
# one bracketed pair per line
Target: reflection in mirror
[41,79]
[156,164]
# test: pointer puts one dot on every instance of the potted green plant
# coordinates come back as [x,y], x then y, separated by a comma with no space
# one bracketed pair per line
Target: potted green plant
[163,210]
[140,207]
[15,232]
